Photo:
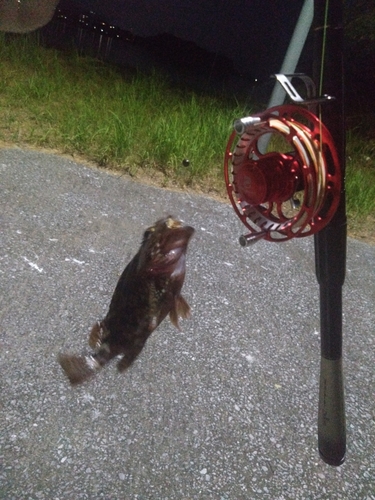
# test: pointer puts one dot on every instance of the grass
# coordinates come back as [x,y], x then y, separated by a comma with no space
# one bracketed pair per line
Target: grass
[360,175]
[360,185]
[141,124]
[116,117]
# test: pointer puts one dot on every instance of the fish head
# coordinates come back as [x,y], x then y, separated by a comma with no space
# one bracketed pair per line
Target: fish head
[164,247]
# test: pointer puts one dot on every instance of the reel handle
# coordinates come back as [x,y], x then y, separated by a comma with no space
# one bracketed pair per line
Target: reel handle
[246,240]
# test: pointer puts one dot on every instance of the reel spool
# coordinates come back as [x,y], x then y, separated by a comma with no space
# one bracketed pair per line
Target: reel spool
[282,195]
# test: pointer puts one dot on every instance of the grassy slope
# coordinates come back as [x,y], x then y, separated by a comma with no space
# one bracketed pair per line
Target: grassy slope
[122,119]
[113,116]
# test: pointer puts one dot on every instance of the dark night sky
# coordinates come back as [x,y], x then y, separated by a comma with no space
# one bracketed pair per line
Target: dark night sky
[253,33]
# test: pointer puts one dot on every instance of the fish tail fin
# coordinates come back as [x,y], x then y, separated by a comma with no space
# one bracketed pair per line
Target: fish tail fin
[181,308]
[78,368]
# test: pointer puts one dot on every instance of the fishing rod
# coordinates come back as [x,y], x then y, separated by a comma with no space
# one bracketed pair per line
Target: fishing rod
[330,243]
[284,170]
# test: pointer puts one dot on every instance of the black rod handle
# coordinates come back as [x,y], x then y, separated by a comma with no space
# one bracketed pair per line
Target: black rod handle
[330,255]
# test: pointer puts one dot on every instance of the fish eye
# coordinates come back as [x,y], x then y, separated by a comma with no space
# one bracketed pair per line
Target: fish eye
[148,233]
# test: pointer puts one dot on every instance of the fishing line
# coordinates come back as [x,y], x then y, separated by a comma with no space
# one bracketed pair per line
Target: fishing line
[323,56]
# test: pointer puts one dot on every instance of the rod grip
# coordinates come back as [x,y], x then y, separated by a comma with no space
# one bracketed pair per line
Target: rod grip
[331,416]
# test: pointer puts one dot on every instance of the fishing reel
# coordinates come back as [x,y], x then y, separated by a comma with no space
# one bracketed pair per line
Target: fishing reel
[282,172]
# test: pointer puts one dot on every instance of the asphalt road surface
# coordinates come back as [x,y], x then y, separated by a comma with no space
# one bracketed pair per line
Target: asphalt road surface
[224,409]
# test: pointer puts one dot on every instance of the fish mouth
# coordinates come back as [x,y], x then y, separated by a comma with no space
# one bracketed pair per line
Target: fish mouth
[177,239]
[167,254]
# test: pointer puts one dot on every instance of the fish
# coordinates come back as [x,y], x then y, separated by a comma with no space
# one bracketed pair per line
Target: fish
[147,291]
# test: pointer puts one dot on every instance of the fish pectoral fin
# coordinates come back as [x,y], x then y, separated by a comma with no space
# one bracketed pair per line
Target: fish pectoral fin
[97,335]
[78,368]
[183,308]
[180,309]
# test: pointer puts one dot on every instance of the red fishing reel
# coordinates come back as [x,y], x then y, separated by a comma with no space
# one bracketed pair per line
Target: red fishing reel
[282,174]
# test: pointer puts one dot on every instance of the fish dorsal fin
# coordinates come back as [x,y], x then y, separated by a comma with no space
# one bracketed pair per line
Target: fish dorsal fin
[180,309]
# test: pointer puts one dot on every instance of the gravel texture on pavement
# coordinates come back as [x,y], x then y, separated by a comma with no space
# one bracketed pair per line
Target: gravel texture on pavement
[224,409]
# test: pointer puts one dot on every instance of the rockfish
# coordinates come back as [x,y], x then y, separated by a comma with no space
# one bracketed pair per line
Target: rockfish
[148,290]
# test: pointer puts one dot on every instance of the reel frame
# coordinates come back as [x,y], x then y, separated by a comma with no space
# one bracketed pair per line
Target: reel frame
[260,183]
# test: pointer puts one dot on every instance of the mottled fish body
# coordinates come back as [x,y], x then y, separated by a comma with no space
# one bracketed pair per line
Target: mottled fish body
[148,290]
